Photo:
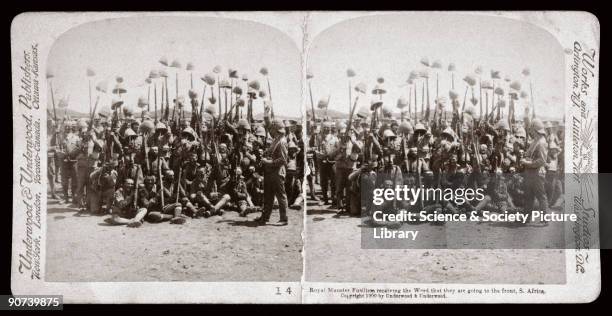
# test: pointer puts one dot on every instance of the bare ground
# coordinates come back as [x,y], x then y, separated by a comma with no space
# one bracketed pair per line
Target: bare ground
[81,247]
[334,254]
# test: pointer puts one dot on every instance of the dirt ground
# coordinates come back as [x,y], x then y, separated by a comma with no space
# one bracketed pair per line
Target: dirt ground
[334,254]
[81,247]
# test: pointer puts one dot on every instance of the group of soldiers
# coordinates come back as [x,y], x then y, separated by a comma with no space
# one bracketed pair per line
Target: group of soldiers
[518,162]
[172,168]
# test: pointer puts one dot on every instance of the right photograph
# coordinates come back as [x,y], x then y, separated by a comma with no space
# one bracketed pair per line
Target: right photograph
[416,119]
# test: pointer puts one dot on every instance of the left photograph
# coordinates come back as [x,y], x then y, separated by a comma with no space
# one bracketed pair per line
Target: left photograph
[175,152]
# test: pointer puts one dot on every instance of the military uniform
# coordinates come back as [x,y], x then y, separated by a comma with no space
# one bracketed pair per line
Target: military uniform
[535,171]
[327,165]
[72,145]
[274,176]
[101,189]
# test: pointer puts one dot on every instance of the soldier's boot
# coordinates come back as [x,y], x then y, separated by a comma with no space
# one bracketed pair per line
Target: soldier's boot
[297,204]
[66,197]
[325,199]
[53,195]
[218,208]
[178,216]
[334,204]
[191,210]
[312,190]
[313,197]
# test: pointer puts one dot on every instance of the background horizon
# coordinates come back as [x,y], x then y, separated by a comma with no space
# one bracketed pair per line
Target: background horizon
[392,45]
[132,47]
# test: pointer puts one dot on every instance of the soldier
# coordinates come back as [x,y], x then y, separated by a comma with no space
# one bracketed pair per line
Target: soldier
[240,197]
[129,170]
[72,145]
[101,188]
[128,208]
[86,162]
[175,202]
[328,146]
[161,137]
[534,163]
[275,164]
[551,135]
[346,156]
[292,171]
[256,188]
[553,182]
[311,157]
[298,201]
[498,197]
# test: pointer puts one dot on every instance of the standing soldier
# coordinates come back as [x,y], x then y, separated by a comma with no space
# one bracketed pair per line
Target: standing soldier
[328,144]
[72,145]
[347,154]
[291,178]
[311,158]
[275,162]
[535,168]
[297,203]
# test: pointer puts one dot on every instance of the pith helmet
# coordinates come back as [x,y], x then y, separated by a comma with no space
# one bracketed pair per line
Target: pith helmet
[279,125]
[244,124]
[129,133]
[189,131]
[161,125]
[388,133]
[419,127]
[538,126]
[261,131]
[502,124]
[405,127]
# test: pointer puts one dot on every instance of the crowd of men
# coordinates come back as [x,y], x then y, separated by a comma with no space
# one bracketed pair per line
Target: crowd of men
[176,167]
[519,162]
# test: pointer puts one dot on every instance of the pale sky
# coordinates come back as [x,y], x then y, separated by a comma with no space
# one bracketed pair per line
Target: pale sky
[132,47]
[390,46]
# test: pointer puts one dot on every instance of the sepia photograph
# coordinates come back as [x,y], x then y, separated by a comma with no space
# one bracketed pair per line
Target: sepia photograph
[436,101]
[305,157]
[174,152]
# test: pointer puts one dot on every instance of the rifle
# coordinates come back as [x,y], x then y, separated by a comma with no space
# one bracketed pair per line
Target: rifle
[349,126]
[200,116]
[428,104]
[421,204]
[57,137]
[312,102]
[146,152]
[250,110]
[93,113]
[215,156]
[405,154]
[229,113]
[161,181]
[178,183]
[136,188]
[155,100]
[270,95]
[167,108]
